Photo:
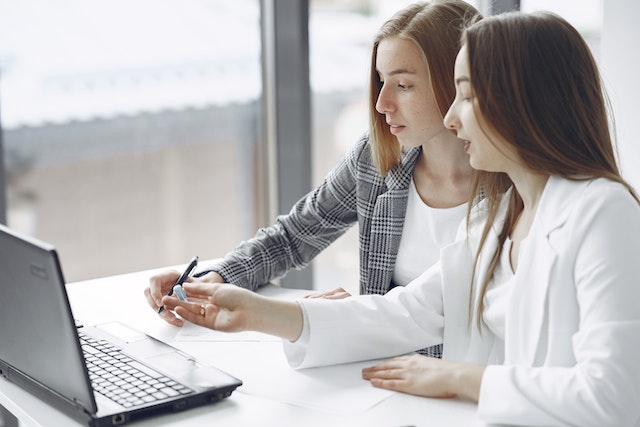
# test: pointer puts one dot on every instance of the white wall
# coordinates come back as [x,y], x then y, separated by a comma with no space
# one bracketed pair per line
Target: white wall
[620,62]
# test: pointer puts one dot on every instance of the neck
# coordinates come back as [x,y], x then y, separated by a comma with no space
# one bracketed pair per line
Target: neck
[442,174]
[443,157]
[530,186]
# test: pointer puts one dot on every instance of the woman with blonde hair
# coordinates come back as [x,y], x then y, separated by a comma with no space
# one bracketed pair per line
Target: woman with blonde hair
[405,183]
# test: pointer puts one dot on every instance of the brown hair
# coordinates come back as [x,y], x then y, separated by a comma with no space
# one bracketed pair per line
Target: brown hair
[534,77]
[436,27]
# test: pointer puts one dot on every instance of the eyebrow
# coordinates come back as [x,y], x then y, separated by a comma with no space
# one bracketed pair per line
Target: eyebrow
[398,71]
[462,79]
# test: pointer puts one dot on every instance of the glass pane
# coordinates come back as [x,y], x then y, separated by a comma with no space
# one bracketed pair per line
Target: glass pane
[131,128]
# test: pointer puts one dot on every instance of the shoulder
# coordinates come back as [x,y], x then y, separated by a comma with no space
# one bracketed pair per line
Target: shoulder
[583,200]
[361,150]
[588,207]
[361,147]
[359,160]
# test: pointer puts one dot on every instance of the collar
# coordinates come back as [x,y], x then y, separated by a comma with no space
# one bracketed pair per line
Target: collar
[558,198]
[400,176]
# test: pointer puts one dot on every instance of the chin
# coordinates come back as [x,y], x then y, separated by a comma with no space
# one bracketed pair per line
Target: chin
[477,165]
[409,144]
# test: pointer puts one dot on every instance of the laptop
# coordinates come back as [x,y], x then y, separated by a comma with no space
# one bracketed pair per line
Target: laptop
[103,375]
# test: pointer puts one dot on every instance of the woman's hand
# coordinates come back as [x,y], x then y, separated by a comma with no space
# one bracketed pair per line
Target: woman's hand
[229,313]
[161,283]
[229,308]
[427,376]
[338,293]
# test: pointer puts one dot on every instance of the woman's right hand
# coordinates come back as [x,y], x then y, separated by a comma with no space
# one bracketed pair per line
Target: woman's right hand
[161,283]
[230,308]
[337,293]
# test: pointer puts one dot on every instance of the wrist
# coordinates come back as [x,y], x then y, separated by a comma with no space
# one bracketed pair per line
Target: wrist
[275,317]
[466,381]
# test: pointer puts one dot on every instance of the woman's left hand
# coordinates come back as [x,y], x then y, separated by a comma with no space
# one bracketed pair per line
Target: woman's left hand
[426,376]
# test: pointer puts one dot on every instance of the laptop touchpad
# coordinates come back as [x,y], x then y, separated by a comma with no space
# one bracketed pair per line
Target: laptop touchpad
[185,368]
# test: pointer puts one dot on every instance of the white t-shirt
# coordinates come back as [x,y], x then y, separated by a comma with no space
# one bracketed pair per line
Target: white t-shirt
[425,231]
[496,301]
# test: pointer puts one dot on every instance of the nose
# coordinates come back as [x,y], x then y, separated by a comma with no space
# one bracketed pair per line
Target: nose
[384,104]
[451,120]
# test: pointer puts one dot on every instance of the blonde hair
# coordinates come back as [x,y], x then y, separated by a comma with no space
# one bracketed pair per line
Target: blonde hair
[436,27]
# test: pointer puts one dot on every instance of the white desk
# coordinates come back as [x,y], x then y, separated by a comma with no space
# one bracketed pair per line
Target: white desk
[121,298]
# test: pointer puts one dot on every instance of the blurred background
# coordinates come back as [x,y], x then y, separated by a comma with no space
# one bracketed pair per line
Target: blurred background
[132,130]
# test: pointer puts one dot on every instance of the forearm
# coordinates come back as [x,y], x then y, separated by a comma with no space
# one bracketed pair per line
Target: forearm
[276,317]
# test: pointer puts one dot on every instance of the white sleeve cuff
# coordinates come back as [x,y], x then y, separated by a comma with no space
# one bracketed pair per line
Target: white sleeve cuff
[295,351]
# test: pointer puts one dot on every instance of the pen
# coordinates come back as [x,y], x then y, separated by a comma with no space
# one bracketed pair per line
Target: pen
[177,287]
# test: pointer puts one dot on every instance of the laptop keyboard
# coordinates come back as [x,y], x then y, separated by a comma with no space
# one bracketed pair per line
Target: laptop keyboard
[122,379]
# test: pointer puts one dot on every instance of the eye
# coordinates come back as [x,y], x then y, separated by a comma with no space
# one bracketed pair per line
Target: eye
[468,97]
[465,92]
[404,86]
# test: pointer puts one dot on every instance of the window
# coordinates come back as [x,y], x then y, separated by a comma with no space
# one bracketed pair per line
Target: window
[131,128]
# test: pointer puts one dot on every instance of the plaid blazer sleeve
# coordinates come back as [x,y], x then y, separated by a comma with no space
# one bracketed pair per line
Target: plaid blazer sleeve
[313,223]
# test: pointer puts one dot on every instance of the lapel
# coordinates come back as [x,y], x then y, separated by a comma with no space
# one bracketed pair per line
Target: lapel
[527,315]
[387,222]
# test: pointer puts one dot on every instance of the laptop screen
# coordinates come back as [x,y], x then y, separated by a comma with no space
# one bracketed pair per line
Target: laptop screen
[37,330]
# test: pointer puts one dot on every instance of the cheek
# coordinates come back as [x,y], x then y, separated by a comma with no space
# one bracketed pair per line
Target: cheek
[469,121]
[429,115]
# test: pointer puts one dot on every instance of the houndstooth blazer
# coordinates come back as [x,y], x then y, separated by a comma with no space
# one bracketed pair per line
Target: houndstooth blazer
[353,192]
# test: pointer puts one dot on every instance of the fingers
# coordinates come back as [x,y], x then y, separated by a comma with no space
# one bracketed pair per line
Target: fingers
[395,362]
[159,285]
[338,293]
[169,317]
[395,368]
[196,312]
[419,375]
[388,378]
[174,310]
[202,290]
[383,370]
[382,374]
[150,300]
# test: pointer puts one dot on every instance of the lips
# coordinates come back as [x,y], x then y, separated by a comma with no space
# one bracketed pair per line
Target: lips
[394,129]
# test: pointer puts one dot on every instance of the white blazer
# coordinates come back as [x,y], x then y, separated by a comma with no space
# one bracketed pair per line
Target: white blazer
[572,335]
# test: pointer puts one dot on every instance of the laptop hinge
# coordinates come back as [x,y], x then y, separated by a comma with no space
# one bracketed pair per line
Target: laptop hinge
[81,406]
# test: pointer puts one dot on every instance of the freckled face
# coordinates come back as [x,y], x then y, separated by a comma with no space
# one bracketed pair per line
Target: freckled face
[487,150]
[406,99]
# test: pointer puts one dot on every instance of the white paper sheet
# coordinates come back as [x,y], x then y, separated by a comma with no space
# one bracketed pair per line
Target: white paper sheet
[196,333]
[337,389]
[259,361]
[334,389]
